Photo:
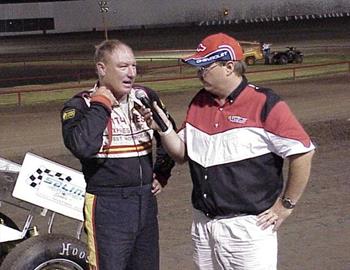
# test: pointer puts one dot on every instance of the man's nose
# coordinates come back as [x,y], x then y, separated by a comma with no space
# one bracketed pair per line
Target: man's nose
[132,71]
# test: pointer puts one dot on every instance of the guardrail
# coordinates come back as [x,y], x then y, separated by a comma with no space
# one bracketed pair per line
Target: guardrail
[82,73]
[293,76]
[152,55]
[25,61]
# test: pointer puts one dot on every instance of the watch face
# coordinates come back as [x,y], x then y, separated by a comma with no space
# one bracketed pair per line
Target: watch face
[287,203]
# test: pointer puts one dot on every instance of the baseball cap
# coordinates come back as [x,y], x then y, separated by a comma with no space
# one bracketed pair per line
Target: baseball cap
[216,47]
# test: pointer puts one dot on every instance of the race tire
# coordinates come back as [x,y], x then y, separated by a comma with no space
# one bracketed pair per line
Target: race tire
[51,251]
[299,59]
[6,247]
[283,60]
[250,60]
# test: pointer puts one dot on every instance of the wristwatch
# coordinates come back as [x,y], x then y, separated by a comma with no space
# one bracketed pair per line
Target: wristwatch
[288,203]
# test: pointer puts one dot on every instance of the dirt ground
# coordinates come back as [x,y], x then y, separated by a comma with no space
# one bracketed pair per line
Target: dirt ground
[316,236]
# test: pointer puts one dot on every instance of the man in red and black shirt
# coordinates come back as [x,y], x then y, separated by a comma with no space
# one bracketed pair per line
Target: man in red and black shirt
[235,137]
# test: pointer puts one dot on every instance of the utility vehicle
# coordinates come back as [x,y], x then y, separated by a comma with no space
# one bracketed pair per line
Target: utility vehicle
[291,55]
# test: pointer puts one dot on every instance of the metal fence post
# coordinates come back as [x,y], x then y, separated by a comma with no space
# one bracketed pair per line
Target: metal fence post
[294,77]
[19,99]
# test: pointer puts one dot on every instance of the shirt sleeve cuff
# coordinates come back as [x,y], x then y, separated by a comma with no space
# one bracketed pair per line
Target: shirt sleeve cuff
[163,180]
[102,100]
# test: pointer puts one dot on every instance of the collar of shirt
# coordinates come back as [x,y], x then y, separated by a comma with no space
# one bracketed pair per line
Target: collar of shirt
[236,92]
[131,98]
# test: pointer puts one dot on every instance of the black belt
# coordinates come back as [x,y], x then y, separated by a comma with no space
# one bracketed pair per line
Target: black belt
[226,216]
[122,191]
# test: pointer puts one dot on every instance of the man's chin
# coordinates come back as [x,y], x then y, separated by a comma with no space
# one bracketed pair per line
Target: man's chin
[207,87]
[122,91]
[127,87]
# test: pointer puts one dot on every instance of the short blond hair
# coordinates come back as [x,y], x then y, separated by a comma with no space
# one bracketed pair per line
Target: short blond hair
[106,48]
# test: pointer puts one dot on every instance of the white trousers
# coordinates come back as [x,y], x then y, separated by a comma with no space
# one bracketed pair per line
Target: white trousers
[232,244]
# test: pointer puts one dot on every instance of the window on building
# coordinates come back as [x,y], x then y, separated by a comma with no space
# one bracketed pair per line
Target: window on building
[14,26]
[2,26]
[31,1]
[24,25]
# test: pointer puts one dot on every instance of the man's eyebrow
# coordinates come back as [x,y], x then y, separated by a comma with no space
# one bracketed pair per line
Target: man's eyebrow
[126,63]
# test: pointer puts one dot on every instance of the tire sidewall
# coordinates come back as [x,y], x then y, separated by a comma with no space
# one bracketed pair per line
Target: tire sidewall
[37,250]
[250,60]
[283,60]
[298,59]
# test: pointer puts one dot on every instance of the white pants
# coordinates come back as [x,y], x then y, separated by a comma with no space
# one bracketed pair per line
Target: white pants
[232,244]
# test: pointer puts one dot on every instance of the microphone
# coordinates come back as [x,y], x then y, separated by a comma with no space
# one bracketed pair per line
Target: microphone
[141,95]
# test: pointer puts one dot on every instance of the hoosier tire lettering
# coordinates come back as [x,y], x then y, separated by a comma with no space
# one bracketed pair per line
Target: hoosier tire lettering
[51,251]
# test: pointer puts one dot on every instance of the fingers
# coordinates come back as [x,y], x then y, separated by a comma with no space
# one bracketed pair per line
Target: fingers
[104,91]
[159,111]
[277,225]
[267,219]
[156,187]
[148,116]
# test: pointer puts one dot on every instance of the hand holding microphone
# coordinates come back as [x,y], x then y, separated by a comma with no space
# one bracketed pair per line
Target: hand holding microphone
[141,95]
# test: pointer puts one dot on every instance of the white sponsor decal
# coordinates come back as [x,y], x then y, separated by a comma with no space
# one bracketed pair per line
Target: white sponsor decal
[237,119]
[51,185]
[211,58]
[201,48]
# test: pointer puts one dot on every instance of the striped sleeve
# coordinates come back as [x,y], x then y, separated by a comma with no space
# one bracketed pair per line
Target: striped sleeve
[285,133]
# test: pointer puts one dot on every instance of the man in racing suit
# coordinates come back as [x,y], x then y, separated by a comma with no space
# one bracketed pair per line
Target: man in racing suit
[104,130]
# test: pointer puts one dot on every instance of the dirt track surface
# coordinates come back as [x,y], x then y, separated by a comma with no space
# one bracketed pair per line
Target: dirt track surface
[316,236]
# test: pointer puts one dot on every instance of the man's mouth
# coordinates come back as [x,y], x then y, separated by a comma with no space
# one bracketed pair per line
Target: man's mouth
[127,83]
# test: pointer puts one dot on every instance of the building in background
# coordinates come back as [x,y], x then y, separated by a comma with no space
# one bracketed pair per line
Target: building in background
[18,17]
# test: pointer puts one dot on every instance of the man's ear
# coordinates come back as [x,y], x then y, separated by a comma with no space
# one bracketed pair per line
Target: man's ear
[230,67]
[101,69]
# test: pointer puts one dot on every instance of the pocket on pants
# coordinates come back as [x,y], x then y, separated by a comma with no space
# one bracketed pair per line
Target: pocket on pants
[241,228]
